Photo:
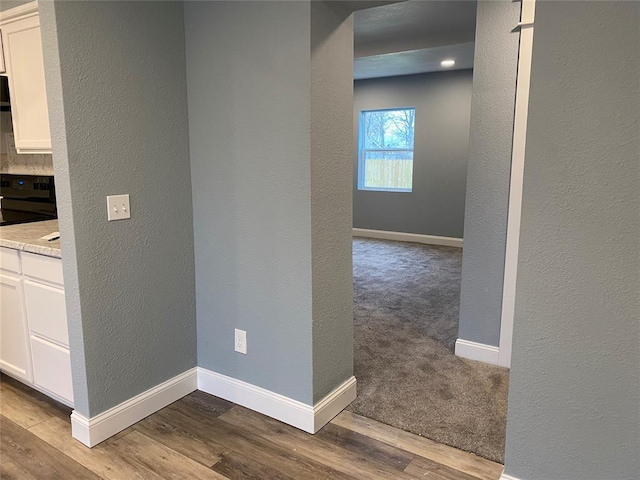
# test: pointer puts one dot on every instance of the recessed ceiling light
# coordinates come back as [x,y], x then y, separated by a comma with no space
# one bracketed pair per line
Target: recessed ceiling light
[447,63]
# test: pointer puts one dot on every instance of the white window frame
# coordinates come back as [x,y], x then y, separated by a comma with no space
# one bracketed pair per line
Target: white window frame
[362,152]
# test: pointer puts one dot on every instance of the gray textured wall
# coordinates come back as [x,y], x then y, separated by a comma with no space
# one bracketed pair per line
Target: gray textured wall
[575,378]
[489,171]
[436,204]
[258,174]
[331,207]
[248,73]
[63,198]
[117,99]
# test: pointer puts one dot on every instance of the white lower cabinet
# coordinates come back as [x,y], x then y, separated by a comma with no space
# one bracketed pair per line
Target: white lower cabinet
[34,337]
[52,368]
[14,333]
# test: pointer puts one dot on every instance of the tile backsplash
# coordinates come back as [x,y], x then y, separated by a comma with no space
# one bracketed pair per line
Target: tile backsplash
[21,164]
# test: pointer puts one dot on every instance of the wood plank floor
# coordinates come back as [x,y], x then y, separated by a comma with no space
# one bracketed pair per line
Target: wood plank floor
[204,437]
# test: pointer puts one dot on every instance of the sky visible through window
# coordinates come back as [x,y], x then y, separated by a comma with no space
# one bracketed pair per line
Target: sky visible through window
[386,149]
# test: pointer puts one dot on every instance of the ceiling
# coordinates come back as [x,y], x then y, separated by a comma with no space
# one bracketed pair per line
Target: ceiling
[413,37]
[354,5]
[413,61]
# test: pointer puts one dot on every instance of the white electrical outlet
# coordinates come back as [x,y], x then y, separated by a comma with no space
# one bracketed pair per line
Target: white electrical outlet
[118,207]
[241,341]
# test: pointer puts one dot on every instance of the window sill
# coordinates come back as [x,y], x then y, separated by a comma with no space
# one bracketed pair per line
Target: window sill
[392,190]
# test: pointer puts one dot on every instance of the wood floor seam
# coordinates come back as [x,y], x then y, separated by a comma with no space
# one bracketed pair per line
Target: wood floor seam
[35,425]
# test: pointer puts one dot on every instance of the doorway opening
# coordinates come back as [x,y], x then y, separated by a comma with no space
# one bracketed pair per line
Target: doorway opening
[413,73]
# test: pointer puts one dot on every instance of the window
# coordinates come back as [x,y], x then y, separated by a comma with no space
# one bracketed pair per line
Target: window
[385,153]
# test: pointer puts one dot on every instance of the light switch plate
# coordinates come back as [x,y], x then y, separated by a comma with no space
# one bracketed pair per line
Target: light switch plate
[118,207]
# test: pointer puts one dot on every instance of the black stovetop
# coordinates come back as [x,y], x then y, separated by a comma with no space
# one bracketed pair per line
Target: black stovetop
[27,198]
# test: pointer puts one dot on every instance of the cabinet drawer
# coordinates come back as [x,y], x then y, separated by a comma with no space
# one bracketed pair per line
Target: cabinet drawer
[44,268]
[46,311]
[9,260]
[52,368]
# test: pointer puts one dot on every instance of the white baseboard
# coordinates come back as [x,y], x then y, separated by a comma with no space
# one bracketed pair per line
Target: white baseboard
[477,351]
[508,477]
[94,430]
[408,237]
[300,415]
[333,404]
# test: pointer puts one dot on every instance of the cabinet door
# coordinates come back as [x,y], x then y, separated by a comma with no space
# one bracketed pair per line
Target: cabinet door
[14,333]
[25,69]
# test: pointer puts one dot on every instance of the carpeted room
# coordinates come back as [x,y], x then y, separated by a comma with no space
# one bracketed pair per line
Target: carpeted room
[406,301]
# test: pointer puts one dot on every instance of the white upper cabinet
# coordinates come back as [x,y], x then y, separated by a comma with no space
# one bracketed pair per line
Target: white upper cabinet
[22,46]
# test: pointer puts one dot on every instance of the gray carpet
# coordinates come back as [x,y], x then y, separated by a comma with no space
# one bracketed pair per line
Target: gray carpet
[406,299]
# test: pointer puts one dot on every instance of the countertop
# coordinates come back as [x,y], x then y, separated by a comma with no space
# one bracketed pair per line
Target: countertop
[26,237]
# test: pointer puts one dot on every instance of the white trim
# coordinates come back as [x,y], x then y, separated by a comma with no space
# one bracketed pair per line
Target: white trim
[256,398]
[408,237]
[508,477]
[515,189]
[333,403]
[18,12]
[94,430]
[527,16]
[293,412]
[477,351]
